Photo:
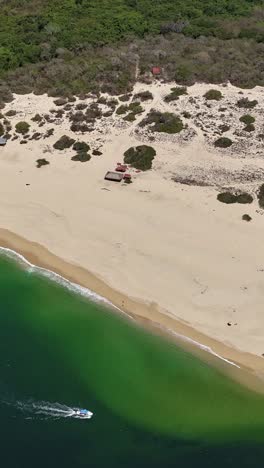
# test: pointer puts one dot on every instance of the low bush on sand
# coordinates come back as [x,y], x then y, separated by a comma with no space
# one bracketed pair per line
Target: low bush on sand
[22,127]
[93,112]
[223,142]
[247,119]
[2,129]
[81,128]
[63,143]
[11,113]
[140,157]
[81,106]
[246,217]
[175,93]
[60,102]
[36,136]
[246,103]
[81,156]
[229,197]
[143,96]
[224,128]
[249,128]
[123,109]
[226,197]
[260,196]
[80,146]
[112,103]
[186,114]
[213,95]
[130,117]
[124,97]
[244,198]
[165,122]
[36,118]
[135,107]
[42,162]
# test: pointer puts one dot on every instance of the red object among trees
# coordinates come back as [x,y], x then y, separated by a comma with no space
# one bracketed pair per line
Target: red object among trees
[121,168]
[156,71]
[127,176]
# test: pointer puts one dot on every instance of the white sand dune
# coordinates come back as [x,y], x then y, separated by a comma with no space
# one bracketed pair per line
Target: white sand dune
[170,245]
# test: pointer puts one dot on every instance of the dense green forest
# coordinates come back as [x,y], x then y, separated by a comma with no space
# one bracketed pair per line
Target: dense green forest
[80,42]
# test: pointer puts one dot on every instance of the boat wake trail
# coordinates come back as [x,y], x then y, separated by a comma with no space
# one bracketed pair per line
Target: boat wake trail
[47,410]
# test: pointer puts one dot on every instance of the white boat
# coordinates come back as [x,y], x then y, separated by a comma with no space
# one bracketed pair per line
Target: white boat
[83,413]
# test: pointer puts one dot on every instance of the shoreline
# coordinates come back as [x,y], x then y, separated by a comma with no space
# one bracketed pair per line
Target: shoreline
[163,249]
[244,367]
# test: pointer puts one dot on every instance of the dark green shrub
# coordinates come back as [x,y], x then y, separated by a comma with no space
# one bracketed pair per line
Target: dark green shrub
[77,117]
[249,128]
[247,119]
[81,106]
[244,198]
[22,127]
[223,142]
[112,103]
[213,95]
[108,113]
[11,113]
[260,196]
[2,129]
[227,197]
[163,122]
[143,96]
[246,103]
[60,102]
[68,107]
[102,100]
[140,157]
[123,109]
[82,156]
[130,117]
[93,112]
[135,107]
[186,114]
[97,152]
[36,118]
[80,146]
[246,217]
[42,162]
[224,128]
[49,133]
[81,127]
[125,97]
[63,143]
[175,93]
[36,136]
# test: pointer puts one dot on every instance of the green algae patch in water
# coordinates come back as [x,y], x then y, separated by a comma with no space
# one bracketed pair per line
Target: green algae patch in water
[146,381]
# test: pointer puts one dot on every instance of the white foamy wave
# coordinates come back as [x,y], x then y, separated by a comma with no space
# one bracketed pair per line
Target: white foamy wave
[31,268]
[96,297]
[204,348]
[46,410]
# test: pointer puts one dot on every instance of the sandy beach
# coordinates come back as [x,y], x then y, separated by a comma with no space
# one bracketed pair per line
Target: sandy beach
[166,250]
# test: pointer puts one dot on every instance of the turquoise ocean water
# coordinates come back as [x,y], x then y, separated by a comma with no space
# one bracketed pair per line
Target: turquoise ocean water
[154,404]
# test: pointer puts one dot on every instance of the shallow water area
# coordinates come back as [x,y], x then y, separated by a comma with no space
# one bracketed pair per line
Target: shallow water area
[153,404]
